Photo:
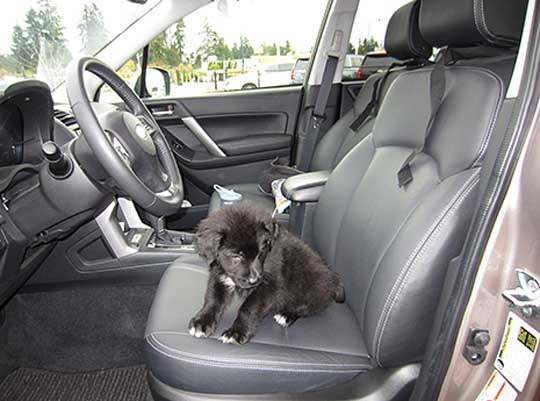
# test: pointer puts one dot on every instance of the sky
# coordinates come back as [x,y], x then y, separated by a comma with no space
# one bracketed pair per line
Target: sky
[270,21]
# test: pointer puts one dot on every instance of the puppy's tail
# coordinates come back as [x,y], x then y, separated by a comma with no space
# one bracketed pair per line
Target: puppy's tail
[339,294]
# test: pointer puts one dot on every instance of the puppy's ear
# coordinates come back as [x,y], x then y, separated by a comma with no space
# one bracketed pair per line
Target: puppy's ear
[209,241]
[270,232]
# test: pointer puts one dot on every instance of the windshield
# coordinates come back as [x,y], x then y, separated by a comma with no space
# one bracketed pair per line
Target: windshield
[41,37]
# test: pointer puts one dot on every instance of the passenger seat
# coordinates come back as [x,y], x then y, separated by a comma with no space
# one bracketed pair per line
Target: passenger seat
[403,42]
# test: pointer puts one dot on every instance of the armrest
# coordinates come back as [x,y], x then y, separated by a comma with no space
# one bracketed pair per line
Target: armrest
[305,187]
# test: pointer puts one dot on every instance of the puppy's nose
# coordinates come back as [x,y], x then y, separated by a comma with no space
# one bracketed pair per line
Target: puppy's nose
[254,276]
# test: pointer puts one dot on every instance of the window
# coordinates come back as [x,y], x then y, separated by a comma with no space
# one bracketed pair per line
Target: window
[232,46]
[40,38]
[366,54]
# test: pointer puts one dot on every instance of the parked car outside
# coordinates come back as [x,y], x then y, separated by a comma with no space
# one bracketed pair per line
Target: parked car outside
[298,73]
[373,63]
[266,75]
[352,67]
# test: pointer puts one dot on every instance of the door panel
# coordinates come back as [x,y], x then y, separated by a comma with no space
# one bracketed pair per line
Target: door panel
[244,131]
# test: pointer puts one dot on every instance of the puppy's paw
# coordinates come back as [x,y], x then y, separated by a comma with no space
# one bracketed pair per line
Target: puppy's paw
[284,320]
[234,336]
[202,327]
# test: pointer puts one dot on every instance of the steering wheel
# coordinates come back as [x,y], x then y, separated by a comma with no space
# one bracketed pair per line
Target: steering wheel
[129,145]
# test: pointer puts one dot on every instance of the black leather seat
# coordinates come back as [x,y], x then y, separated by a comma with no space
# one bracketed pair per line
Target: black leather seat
[390,244]
[312,354]
[403,42]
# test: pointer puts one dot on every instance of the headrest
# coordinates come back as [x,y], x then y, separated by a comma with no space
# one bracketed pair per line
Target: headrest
[464,23]
[403,40]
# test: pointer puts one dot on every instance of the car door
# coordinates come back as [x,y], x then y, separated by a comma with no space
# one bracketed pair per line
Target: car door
[231,106]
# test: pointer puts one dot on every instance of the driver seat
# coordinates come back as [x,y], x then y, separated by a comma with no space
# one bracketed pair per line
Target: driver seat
[391,244]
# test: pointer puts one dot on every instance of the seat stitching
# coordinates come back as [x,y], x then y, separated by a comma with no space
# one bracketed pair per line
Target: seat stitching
[250,364]
[487,136]
[491,127]
[232,361]
[295,348]
[379,330]
[351,197]
[390,243]
[439,227]
[480,22]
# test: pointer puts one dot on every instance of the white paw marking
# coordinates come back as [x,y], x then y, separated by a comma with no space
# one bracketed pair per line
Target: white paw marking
[196,333]
[227,340]
[281,320]
[227,282]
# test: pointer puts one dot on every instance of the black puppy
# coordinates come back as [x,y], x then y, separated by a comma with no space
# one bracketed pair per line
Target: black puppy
[251,255]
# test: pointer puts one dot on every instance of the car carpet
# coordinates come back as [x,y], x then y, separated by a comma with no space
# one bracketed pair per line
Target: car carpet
[120,384]
[75,330]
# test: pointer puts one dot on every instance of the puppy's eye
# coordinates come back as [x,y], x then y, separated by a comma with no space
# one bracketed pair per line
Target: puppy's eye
[241,254]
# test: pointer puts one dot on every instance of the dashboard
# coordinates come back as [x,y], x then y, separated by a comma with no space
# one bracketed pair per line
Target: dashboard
[11,135]
[36,207]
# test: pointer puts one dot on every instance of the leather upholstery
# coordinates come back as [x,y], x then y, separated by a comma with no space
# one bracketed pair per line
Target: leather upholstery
[313,353]
[390,244]
[464,23]
[403,39]
[305,187]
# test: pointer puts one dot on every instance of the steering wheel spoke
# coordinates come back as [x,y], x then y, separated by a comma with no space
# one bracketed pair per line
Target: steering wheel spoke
[129,146]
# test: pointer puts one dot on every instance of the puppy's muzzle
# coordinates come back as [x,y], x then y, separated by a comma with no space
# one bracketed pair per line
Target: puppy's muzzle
[254,276]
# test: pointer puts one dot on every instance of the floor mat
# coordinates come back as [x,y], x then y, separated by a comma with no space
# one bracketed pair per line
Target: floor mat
[121,384]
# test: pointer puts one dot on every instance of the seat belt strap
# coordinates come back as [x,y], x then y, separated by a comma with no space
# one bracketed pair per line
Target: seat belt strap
[367,111]
[313,129]
[437,89]
[372,107]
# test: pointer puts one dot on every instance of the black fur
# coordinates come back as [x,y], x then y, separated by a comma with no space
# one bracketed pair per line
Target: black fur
[251,254]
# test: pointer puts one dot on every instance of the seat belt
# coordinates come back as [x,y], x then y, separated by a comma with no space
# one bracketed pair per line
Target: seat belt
[371,109]
[311,134]
[437,88]
[367,111]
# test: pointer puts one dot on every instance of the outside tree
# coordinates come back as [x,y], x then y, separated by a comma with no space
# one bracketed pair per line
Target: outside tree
[20,55]
[39,45]
[53,54]
[179,42]
[351,49]
[367,45]
[269,50]
[32,34]
[213,44]
[160,51]
[92,29]
[284,50]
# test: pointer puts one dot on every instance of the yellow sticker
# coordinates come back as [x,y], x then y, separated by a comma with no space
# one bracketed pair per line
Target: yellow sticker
[518,350]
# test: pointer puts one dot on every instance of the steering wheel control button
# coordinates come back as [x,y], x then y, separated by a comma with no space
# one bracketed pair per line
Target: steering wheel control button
[141,132]
[60,166]
[121,150]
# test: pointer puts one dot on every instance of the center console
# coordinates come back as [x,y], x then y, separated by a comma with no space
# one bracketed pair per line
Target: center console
[127,235]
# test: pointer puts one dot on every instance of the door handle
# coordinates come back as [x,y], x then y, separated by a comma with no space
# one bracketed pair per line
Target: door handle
[165,113]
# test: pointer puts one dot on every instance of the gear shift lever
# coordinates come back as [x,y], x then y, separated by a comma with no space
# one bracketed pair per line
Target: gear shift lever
[162,235]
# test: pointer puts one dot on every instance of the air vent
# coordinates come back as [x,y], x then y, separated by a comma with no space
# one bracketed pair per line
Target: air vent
[68,120]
